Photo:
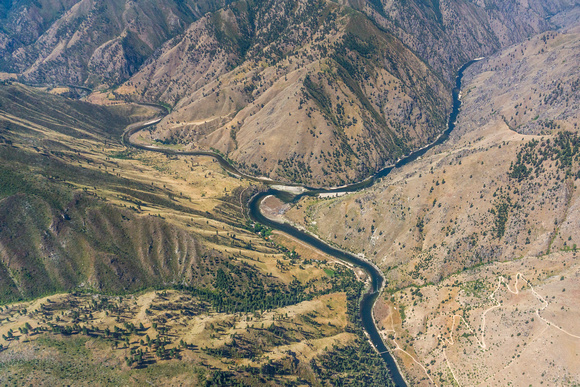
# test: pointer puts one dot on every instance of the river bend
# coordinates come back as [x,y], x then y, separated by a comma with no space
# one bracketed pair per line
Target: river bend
[377,280]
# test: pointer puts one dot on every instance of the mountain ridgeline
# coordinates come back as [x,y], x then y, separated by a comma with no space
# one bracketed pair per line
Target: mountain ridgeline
[126,259]
[86,42]
[314,92]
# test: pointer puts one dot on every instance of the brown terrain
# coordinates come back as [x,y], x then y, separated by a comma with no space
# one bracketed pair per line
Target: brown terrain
[355,97]
[97,239]
[317,93]
[478,238]
[65,42]
[322,104]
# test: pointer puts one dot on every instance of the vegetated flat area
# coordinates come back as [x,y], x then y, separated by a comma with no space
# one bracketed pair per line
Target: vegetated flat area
[120,266]
[478,239]
[180,341]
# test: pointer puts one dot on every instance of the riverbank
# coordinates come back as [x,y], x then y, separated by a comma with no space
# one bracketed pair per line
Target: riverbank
[377,279]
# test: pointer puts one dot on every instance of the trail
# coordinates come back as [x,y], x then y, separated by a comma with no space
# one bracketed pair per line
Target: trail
[398,348]
[516,290]
[242,207]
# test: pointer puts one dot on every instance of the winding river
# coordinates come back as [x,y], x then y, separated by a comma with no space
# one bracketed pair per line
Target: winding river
[377,279]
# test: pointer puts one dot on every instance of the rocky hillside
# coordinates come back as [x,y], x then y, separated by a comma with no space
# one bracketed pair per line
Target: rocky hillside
[358,88]
[516,87]
[37,36]
[90,229]
[448,33]
[86,42]
[356,97]
[490,192]
[307,92]
[496,204]
[71,204]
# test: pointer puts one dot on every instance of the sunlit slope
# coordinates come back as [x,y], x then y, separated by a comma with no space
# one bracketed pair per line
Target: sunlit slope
[80,211]
[312,93]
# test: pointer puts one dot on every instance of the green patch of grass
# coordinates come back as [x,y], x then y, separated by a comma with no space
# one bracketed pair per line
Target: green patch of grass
[12,183]
[125,155]
[569,248]
[329,272]
[402,312]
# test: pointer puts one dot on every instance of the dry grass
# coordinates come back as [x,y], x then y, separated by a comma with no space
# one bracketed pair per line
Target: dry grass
[427,223]
[203,330]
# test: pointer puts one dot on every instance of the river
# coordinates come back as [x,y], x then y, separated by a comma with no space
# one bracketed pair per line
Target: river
[377,279]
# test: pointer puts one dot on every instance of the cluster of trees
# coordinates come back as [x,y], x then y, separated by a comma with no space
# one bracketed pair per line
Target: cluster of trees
[235,292]
[502,207]
[259,228]
[353,365]
[562,152]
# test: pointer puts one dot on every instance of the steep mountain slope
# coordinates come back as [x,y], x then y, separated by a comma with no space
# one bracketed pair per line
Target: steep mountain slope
[448,33]
[36,36]
[70,219]
[516,85]
[23,22]
[510,102]
[89,42]
[497,204]
[154,274]
[354,96]
[354,87]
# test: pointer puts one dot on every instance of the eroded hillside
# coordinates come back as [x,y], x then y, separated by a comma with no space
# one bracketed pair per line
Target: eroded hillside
[86,42]
[122,266]
[99,228]
[498,200]
[317,93]
[314,94]
[448,33]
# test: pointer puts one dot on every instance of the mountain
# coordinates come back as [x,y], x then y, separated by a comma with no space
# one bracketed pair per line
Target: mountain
[122,266]
[495,205]
[352,88]
[509,102]
[359,82]
[56,235]
[80,212]
[448,33]
[87,42]
[106,42]
[148,261]
[354,96]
